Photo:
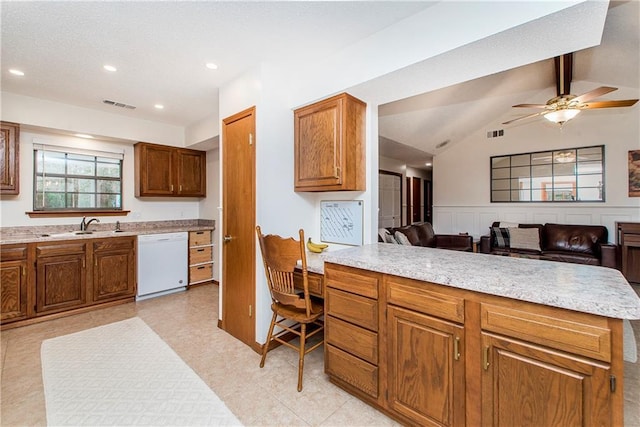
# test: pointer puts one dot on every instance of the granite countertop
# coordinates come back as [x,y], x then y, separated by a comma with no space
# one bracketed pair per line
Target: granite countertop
[590,289]
[98,231]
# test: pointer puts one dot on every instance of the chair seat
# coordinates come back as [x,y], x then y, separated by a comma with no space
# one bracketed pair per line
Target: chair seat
[298,314]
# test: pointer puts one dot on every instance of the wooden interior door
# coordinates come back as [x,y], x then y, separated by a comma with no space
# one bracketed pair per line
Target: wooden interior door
[416,194]
[238,225]
[389,199]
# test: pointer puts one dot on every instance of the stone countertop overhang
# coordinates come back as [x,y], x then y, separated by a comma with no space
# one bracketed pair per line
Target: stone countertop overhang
[590,289]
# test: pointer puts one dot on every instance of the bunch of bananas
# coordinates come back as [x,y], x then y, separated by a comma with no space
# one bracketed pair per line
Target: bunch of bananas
[315,247]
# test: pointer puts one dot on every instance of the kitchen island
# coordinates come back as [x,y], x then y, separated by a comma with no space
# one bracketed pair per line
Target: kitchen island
[437,337]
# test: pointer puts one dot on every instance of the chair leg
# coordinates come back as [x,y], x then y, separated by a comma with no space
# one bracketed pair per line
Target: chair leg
[303,338]
[265,349]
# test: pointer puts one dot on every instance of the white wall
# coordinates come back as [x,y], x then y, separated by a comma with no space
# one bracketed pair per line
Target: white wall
[13,208]
[48,114]
[461,173]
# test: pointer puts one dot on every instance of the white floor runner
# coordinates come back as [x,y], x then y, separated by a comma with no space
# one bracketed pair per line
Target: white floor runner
[124,374]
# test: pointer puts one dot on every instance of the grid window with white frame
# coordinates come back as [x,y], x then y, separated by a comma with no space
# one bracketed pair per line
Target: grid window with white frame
[69,179]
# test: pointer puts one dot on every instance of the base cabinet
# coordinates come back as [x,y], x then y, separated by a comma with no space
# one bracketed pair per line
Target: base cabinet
[442,356]
[48,279]
[424,347]
[524,384]
[60,277]
[114,269]
[13,282]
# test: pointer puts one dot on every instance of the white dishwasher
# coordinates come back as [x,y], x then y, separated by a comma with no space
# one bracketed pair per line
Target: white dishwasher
[162,264]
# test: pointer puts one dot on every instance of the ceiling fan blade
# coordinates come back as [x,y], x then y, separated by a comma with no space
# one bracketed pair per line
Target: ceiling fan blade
[530,106]
[610,104]
[524,117]
[594,94]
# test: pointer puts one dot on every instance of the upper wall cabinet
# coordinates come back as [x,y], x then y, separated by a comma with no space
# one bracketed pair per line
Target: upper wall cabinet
[9,164]
[163,171]
[330,145]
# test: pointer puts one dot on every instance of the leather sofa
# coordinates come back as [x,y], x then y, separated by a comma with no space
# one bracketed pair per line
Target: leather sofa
[581,244]
[422,234]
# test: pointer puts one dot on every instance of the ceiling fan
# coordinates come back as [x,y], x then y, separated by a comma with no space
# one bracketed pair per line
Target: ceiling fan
[565,106]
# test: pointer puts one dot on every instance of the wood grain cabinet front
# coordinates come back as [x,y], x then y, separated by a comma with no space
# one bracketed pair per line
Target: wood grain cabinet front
[628,240]
[114,268]
[200,257]
[351,330]
[164,171]
[61,276]
[436,355]
[10,161]
[13,282]
[329,144]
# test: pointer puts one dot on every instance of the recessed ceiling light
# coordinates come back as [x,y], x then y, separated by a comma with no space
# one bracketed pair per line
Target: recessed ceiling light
[159,106]
[427,164]
[110,68]
[16,72]
[212,66]
[84,135]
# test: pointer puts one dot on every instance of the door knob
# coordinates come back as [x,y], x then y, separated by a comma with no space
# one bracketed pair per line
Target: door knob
[227,239]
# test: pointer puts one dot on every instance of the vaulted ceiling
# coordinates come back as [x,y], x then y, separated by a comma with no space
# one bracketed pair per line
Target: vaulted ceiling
[412,128]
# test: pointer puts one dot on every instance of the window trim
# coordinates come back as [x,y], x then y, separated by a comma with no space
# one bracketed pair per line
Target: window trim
[576,175]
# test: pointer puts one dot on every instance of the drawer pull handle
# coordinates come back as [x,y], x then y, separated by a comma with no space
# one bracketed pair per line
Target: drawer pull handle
[199,232]
[485,358]
[456,348]
[201,268]
[200,250]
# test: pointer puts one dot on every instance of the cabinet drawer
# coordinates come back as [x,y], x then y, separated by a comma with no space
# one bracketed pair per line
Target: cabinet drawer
[353,339]
[13,253]
[351,370]
[197,238]
[409,294]
[352,308]
[60,249]
[199,255]
[573,332]
[314,281]
[361,283]
[631,240]
[114,244]
[199,273]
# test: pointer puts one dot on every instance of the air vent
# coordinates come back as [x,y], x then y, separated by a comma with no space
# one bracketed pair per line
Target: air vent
[119,104]
[495,133]
[443,143]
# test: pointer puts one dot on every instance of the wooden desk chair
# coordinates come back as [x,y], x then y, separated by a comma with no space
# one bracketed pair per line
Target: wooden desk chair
[280,256]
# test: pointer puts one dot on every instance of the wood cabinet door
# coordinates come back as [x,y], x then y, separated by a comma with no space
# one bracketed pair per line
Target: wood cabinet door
[60,282]
[524,384]
[14,289]
[318,144]
[191,174]
[426,374]
[154,170]
[9,163]
[114,269]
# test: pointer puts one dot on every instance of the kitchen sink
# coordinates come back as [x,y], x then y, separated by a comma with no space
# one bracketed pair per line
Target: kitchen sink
[65,234]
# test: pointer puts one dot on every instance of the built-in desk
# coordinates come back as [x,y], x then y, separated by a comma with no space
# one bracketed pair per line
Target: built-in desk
[315,275]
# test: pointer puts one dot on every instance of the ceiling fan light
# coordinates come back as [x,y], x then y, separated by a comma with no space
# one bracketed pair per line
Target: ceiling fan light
[561,116]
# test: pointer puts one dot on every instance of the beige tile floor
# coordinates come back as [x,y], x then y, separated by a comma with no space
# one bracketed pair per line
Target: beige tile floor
[187,321]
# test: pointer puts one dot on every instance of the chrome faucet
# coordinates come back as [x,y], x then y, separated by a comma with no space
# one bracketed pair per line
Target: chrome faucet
[84,225]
